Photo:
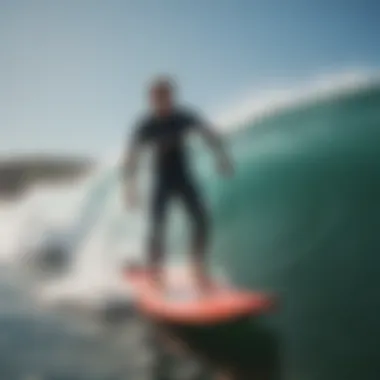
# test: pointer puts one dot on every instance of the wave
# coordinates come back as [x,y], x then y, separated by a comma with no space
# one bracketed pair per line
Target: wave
[300,219]
[102,233]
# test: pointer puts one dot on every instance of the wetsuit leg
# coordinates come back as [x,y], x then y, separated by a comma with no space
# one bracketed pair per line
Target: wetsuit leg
[160,200]
[194,205]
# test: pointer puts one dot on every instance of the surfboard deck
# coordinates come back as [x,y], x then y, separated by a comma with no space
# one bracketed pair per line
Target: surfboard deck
[179,302]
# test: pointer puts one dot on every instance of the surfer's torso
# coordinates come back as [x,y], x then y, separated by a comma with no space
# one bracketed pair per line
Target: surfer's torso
[167,136]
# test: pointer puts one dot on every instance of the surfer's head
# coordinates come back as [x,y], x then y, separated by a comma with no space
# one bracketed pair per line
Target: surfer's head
[162,94]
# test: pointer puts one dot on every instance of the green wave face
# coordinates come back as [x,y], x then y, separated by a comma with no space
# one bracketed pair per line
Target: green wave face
[301,219]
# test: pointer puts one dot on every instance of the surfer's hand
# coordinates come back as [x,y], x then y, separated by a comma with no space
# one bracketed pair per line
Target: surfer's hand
[225,167]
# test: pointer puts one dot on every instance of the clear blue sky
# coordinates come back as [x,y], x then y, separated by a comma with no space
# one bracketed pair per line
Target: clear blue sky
[72,72]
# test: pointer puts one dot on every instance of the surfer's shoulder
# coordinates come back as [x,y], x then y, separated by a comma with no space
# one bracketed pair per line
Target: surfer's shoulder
[183,111]
[144,120]
[143,123]
[142,127]
[187,114]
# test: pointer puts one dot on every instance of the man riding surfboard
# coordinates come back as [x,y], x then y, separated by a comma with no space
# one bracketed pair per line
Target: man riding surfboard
[165,129]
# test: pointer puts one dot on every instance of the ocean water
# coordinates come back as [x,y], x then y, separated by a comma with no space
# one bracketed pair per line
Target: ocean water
[299,219]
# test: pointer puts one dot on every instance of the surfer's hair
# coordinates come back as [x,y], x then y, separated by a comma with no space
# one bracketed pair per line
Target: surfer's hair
[163,82]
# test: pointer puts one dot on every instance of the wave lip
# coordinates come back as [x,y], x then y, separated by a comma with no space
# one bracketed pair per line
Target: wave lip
[269,102]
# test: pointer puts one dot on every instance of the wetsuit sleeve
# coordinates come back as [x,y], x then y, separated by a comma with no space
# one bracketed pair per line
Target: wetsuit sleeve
[139,134]
[205,128]
[200,124]
[194,120]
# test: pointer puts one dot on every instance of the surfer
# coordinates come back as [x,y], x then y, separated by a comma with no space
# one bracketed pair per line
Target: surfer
[165,129]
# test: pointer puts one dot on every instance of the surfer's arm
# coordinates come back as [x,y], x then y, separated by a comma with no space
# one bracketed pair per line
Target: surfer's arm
[131,157]
[130,162]
[133,149]
[130,165]
[128,173]
[212,138]
[215,141]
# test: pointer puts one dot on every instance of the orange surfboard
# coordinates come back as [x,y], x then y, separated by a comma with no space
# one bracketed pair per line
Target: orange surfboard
[178,302]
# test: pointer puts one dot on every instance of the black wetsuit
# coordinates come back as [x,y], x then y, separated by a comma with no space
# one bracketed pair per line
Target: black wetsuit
[173,177]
